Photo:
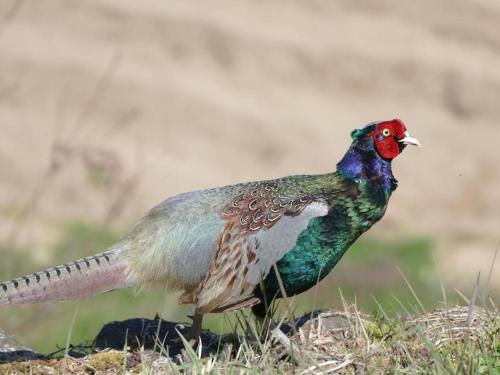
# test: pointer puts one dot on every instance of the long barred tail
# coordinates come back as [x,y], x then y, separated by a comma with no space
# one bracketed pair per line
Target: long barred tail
[79,279]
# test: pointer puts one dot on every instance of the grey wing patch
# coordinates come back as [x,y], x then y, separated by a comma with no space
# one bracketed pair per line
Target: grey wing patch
[245,257]
[280,239]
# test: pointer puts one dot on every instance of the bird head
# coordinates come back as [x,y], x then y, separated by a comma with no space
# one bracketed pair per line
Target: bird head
[388,138]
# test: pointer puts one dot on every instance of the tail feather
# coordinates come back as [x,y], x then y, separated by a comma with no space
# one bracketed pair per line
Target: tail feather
[78,279]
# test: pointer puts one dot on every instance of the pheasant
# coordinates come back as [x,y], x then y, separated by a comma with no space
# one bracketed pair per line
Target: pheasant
[224,247]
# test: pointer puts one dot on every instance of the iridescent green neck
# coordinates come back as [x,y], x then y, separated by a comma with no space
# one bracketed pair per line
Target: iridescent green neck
[359,200]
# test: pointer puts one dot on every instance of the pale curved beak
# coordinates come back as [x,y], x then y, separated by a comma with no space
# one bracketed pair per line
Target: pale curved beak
[409,140]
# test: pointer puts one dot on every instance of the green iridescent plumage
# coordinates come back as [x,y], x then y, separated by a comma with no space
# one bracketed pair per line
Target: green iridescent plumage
[355,207]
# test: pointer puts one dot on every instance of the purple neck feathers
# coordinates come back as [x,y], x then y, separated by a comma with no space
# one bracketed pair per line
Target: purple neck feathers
[359,164]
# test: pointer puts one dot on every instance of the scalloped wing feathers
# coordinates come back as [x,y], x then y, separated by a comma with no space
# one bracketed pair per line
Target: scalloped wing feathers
[260,229]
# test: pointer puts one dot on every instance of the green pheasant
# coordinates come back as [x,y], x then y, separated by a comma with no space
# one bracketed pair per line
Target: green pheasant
[223,247]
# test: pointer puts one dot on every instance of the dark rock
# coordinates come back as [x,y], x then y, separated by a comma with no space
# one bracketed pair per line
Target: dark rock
[154,334]
[20,355]
[286,327]
[12,350]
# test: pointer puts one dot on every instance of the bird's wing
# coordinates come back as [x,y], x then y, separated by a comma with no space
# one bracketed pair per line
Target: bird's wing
[260,228]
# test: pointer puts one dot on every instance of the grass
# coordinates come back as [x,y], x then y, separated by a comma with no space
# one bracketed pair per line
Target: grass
[402,334]
[436,342]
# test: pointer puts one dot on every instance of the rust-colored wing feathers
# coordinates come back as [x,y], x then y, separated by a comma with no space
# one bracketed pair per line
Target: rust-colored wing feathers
[258,209]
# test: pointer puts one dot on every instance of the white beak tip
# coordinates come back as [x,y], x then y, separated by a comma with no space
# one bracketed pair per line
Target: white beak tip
[409,140]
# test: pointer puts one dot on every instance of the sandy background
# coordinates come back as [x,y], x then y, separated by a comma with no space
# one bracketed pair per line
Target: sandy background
[108,107]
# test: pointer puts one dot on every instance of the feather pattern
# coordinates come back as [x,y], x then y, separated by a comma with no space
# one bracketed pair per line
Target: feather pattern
[260,228]
[78,279]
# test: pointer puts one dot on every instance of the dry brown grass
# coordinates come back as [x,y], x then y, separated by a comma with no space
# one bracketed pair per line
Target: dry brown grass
[345,342]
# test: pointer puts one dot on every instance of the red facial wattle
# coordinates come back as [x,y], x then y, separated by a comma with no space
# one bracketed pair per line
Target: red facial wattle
[386,136]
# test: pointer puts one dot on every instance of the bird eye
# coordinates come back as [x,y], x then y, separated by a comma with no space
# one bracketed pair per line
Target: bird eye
[386,132]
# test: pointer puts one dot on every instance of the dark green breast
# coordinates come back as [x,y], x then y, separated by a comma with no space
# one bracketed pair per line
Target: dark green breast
[321,245]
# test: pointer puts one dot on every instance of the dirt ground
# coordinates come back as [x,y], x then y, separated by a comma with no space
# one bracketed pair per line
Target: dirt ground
[109,106]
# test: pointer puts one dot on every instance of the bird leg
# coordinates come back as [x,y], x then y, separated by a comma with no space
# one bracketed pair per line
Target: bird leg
[262,317]
[194,333]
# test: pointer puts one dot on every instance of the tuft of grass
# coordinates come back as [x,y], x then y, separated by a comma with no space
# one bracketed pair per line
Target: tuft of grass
[108,360]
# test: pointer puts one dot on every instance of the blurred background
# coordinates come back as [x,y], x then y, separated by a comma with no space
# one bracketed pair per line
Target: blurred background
[107,107]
